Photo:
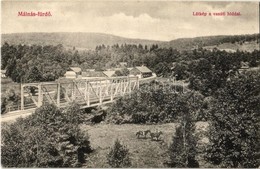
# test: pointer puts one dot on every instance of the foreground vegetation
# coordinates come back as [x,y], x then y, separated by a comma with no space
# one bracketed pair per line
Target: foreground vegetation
[48,138]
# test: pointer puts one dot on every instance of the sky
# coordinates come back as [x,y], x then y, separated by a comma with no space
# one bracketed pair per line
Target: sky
[154,20]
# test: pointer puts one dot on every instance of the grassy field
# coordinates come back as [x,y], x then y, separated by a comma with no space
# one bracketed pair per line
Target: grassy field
[247,46]
[144,152]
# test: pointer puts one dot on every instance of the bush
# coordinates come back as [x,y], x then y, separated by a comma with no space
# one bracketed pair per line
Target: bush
[118,156]
[48,138]
[9,100]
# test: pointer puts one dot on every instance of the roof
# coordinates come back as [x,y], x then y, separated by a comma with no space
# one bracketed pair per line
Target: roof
[130,68]
[109,73]
[143,69]
[70,73]
[75,69]
[93,74]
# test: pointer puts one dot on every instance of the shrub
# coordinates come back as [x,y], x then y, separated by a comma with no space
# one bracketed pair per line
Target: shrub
[47,138]
[118,156]
[10,99]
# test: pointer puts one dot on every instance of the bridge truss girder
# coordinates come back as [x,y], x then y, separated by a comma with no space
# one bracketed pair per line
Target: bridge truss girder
[84,92]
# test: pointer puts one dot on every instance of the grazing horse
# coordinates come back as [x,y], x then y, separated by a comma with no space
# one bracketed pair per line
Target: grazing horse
[155,135]
[142,133]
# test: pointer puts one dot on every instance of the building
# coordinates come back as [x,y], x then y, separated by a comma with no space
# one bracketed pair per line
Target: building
[77,70]
[70,75]
[3,73]
[73,72]
[141,71]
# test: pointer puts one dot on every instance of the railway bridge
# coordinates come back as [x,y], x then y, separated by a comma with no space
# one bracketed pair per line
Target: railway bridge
[85,92]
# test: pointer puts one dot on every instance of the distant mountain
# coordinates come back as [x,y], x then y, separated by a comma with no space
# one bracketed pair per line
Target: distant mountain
[214,41]
[79,40]
[91,40]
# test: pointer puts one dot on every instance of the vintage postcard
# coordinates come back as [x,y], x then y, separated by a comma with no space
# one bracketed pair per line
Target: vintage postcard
[130,84]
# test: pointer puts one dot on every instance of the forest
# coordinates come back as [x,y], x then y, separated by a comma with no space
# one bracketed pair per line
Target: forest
[37,63]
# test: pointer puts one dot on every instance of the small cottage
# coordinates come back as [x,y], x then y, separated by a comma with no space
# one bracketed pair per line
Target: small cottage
[141,71]
[73,72]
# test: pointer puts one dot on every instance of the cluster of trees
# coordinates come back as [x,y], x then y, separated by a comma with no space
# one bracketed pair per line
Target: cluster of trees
[155,104]
[46,63]
[241,38]
[234,118]
[48,138]
[35,63]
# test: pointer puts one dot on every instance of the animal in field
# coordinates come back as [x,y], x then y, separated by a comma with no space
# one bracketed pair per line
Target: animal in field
[156,135]
[142,133]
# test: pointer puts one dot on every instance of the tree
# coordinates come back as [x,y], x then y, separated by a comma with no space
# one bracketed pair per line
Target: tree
[234,130]
[162,69]
[48,138]
[11,98]
[34,75]
[180,71]
[118,156]
[211,73]
[183,150]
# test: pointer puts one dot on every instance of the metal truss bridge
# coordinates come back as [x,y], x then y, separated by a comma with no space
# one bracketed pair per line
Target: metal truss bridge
[86,93]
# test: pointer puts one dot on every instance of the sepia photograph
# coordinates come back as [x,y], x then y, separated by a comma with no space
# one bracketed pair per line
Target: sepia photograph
[130,84]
